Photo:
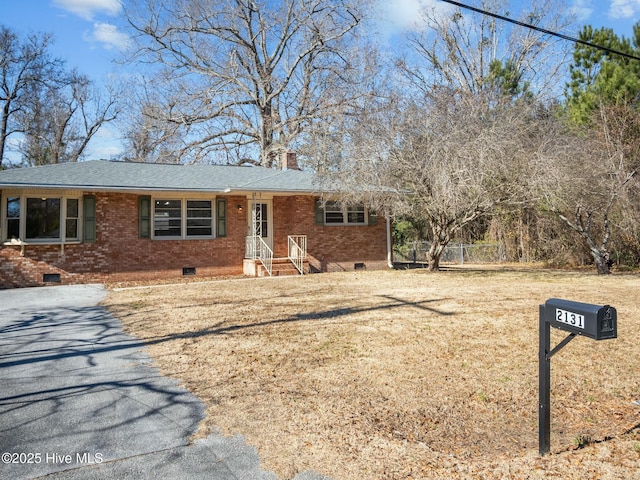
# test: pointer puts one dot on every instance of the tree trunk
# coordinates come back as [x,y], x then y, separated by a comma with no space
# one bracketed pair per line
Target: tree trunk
[433,256]
[4,128]
[266,142]
[601,255]
[602,259]
[441,238]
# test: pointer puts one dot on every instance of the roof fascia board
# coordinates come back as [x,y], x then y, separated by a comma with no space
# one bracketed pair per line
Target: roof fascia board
[93,188]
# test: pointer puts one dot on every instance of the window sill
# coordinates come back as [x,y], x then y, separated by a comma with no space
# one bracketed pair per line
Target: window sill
[41,242]
[346,224]
[14,242]
[183,238]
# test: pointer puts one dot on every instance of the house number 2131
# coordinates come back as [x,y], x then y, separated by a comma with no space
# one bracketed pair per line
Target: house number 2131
[570,318]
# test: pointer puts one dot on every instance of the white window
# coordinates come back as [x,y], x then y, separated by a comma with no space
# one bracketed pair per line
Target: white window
[199,218]
[42,219]
[333,213]
[180,218]
[356,214]
[13,218]
[167,218]
[72,217]
[336,213]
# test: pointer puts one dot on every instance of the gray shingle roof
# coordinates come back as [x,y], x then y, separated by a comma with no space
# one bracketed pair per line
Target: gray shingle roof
[107,175]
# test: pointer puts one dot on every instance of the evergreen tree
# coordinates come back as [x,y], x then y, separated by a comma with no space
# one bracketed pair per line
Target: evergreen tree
[600,77]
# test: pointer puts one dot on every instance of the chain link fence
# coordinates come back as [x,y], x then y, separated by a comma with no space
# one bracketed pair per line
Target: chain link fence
[459,253]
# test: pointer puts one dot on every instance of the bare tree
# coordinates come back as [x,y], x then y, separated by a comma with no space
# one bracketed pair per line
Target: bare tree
[54,113]
[149,139]
[449,160]
[60,120]
[243,79]
[474,52]
[588,177]
[23,64]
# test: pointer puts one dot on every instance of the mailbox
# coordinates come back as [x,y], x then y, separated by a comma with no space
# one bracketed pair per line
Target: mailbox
[598,322]
[594,321]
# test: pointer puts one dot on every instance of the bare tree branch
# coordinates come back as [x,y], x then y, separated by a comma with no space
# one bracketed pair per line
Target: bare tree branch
[242,72]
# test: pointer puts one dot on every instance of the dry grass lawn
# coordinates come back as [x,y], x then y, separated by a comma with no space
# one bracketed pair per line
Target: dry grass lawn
[401,374]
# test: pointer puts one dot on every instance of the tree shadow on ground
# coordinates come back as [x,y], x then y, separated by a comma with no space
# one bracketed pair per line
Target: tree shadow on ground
[32,339]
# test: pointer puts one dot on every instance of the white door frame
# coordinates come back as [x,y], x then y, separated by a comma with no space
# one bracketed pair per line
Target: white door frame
[268,222]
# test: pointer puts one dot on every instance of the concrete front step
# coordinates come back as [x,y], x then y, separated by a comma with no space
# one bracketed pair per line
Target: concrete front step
[280,267]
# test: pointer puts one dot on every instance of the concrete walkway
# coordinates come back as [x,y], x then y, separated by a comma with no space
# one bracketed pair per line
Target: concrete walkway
[79,399]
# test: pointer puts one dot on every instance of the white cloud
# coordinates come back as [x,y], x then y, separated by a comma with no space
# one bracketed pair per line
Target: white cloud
[105,144]
[582,9]
[402,13]
[624,8]
[409,14]
[108,35]
[87,9]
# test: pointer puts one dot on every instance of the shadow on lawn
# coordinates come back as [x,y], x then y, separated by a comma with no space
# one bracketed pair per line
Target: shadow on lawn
[35,337]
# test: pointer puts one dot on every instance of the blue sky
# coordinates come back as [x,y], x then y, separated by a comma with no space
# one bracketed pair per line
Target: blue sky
[87,34]
[620,15]
[90,34]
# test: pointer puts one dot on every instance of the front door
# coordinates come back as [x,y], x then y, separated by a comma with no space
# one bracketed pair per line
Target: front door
[260,221]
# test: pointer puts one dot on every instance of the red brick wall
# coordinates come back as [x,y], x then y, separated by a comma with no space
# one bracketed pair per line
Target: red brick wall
[120,255]
[330,248]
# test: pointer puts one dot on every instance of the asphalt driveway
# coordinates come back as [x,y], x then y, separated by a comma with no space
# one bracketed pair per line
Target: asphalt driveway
[79,399]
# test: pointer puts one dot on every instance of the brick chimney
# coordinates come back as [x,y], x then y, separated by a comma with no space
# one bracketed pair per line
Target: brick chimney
[289,161]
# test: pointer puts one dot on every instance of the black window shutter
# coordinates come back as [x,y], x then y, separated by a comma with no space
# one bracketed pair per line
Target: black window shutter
[373,217]
[221,217]
[89,213]
[319,212]
[144,216]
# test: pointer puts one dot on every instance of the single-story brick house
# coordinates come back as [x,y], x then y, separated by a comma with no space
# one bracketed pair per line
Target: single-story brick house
[105,221]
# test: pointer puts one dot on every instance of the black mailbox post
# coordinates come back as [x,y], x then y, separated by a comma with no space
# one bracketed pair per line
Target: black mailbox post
[599,322]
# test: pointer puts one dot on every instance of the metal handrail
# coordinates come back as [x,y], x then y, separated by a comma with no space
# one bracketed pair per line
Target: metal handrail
[250,247]
[298,251]
[257,249]
[266,256]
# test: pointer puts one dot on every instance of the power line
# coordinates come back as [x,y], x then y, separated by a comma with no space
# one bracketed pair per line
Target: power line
[543,30]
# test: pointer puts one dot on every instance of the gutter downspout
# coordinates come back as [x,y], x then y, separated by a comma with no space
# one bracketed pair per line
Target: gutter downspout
[389,249]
